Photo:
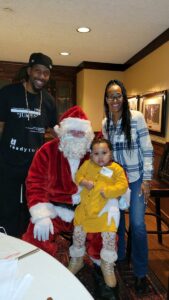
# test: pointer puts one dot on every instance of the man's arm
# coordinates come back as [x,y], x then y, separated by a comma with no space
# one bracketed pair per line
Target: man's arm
[2,124]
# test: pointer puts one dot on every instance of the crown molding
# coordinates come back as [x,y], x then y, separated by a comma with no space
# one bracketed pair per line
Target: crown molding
[156,43]
[152,46]
[100,66]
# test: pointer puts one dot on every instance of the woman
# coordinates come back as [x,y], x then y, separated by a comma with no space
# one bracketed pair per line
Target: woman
[132,148]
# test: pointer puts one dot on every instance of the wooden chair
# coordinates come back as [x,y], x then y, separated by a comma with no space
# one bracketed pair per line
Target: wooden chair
[160,189]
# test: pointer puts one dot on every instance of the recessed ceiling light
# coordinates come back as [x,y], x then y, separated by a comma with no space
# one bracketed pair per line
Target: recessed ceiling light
[83,29]
[64,53]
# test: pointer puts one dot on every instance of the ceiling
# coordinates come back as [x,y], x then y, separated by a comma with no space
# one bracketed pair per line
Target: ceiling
[119,29]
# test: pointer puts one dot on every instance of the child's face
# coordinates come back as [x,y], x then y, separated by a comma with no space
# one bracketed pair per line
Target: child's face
[101,154]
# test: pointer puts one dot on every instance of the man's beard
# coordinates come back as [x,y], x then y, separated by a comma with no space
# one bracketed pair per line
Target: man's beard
[73,147]
[34,85]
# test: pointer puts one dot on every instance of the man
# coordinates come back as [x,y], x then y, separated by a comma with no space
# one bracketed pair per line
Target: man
[52,194]
[26,111]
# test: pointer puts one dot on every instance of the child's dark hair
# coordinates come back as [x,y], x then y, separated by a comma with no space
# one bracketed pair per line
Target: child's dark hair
[100,141]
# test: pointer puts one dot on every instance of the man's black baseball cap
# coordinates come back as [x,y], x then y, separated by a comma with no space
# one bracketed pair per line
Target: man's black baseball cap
[40,59]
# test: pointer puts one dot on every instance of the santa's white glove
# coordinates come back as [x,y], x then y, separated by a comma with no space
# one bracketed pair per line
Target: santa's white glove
[124,202]
[76,199]
[112,209]
[113,213]
[42,229]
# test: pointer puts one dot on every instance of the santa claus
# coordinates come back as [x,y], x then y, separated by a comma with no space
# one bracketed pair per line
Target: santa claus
[52,194]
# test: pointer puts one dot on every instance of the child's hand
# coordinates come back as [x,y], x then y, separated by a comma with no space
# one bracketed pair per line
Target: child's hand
[88,184]
[102,193]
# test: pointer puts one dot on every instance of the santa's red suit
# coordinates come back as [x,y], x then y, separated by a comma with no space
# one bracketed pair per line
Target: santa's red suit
[52,196]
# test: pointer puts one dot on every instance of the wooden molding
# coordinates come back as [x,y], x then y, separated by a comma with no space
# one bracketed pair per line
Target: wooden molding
[156,43]
[100,66]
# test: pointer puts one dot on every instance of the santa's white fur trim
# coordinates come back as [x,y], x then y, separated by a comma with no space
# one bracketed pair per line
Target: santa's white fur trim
[108,255]
[76,197]
[75,124]
[42,210]
[65,214]
[96,261]
[76,252]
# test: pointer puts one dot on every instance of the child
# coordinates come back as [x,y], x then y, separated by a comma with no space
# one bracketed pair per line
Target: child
[101,180]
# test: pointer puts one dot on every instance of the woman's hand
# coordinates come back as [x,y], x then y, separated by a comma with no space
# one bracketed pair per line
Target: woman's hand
[145,190]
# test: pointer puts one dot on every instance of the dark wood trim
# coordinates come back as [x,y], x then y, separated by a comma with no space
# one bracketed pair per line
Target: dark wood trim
[100,66]
[156,43]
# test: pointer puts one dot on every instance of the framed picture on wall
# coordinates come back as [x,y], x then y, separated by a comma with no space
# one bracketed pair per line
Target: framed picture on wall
[133,102]
[154,111]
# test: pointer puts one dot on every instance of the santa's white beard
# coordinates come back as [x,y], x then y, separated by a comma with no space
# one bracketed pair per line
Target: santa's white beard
[73,147]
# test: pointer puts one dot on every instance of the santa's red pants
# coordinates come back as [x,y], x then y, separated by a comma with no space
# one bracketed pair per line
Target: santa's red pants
[93,243]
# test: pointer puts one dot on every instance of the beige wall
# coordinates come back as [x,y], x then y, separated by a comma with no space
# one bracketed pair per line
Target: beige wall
[151,74]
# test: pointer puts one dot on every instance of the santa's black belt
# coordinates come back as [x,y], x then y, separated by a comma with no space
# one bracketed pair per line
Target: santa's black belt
[64,205]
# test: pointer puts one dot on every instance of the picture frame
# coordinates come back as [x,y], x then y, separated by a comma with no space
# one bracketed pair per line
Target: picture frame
[154,111]
[133,102]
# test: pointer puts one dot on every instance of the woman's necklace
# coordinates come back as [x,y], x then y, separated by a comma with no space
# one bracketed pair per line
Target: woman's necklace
[27,104]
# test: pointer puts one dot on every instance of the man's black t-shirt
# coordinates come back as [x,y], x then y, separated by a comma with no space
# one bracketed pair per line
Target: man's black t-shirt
[25,124]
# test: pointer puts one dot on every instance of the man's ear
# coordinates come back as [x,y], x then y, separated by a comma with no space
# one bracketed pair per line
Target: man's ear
[28,70]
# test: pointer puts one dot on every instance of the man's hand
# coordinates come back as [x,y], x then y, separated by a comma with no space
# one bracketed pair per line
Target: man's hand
[42,229]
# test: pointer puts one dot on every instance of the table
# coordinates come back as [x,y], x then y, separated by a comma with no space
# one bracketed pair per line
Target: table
[50,277]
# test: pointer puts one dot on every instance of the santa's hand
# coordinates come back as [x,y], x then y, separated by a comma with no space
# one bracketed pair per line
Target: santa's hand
[106,208]
[42,229]
[112,209]
[113,213]
[124,201]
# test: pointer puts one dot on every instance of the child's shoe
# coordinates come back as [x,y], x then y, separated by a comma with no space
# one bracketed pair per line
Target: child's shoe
[75,264]
[108,273]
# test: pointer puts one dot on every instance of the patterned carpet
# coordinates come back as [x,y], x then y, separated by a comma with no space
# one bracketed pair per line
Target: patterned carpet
[92,279]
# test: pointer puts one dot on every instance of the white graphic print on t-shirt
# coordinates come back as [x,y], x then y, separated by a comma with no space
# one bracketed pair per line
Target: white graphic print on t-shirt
[26,113]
